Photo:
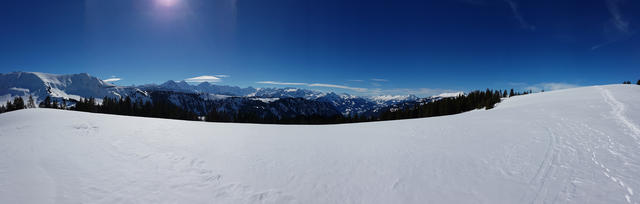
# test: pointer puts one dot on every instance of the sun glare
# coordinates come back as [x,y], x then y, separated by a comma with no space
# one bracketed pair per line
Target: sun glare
[167,3]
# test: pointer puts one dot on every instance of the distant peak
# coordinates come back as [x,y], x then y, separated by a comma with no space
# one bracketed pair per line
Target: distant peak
[169,82]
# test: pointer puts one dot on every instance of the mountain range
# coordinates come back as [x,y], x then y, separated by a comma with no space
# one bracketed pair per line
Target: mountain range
[203,97]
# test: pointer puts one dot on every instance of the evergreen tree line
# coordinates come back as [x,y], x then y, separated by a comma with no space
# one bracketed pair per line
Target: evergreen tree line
[48,103]
[126,106]
[252,117]
[17,104]
[448,106]
[282,111]
[629,82]
[160,108]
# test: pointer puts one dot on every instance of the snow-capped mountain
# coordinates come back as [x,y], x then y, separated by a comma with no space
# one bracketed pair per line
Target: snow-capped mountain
[70,87]
[40,85]
[206,87]
[288,93]
[196,98]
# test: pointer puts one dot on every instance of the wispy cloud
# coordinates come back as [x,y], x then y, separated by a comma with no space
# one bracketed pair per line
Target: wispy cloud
[616,17]
[113,79]
[356,80]
[222,76]
[617,28]
[424,92]
[282,83]
[518,15]
[379,80]
[550,86]
[314,85]
[205,78]
[339,86]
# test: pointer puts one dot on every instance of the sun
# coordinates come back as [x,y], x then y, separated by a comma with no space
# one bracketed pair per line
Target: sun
[167,3]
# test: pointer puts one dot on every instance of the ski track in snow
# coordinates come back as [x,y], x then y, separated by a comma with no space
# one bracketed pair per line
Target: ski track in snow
[618,112]
[529,149]
[567,139]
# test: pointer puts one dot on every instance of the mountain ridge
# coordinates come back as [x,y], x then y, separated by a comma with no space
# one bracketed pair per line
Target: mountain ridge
[82,85]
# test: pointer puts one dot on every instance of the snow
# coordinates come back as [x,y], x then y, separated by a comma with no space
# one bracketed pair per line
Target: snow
[578,145]
[78,86]
[393,97]
[450,95]
[265,100]
[40,85]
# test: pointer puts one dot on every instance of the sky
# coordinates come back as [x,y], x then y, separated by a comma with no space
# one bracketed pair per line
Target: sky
[359,47]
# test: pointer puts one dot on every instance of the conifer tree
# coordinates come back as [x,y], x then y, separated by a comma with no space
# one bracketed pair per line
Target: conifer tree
[638,83]
[46,103]
[31,103]
[511,93]
[18,103]
[10,106]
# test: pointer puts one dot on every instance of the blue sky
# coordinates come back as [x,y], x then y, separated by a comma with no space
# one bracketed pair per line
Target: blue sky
[360,47]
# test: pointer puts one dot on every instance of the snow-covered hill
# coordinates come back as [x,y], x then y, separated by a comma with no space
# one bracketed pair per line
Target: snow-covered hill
[572,146]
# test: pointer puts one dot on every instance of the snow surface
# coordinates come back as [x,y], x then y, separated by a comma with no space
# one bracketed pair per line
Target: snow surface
[577,145]
[450,95]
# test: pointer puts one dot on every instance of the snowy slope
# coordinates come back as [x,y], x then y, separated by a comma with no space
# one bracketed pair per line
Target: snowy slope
[572,146]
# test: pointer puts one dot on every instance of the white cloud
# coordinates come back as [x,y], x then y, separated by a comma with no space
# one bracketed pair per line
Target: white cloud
[356,80]
[339,86]
[379,80]
[222,76]
[423,92]
[516,13]
[314,85]
[550,86]
[282,83]
[112,79]
[205,78]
